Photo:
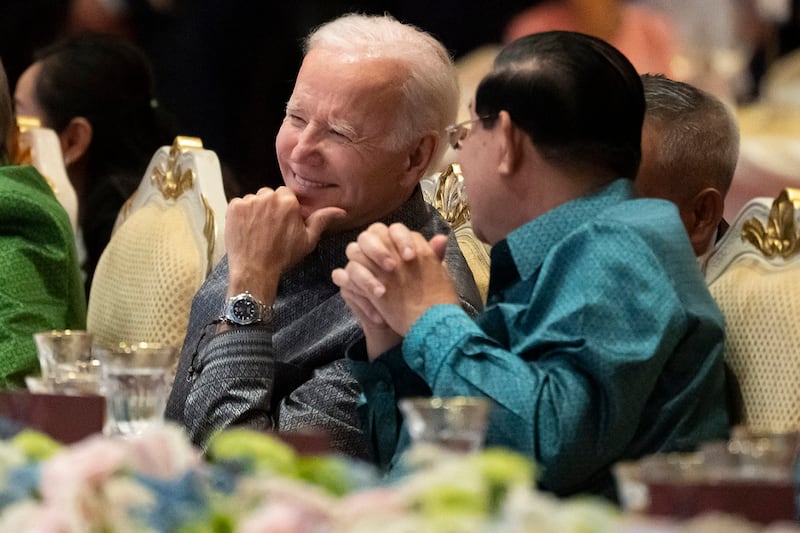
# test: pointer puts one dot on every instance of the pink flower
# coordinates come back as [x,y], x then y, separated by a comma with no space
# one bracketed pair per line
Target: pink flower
[88,463]
[380,501]
[285,517]
[162,452]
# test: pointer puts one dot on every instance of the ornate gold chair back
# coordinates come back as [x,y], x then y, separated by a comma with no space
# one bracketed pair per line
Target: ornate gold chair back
[169,235]
[754,275]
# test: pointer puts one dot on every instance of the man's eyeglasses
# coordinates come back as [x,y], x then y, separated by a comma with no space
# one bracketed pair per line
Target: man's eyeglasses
[458,132]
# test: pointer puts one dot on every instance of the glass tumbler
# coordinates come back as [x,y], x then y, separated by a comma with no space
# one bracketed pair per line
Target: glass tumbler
[136,381]
[67,362]
[457,424]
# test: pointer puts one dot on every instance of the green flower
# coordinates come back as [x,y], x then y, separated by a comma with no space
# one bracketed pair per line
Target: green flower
[502,469]
[329,473]
[35,445]
[216,523]
[257,451]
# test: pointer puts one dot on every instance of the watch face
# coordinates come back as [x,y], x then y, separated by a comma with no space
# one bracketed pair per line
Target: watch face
[245,310]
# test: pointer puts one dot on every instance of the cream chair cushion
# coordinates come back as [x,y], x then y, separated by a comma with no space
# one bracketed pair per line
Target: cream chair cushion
[754,275]
[169,236]
[40,147]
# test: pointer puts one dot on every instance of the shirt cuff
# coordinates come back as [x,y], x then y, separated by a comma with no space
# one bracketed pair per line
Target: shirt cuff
[389,372]
[433,337]
[244,341]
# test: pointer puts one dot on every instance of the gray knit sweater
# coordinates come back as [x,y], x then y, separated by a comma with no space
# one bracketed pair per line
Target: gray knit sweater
[290,375]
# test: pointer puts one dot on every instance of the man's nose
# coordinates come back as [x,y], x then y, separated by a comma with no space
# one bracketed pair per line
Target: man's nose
[307,150]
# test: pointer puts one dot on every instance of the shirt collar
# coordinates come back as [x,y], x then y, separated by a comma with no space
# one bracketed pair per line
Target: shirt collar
[529,244]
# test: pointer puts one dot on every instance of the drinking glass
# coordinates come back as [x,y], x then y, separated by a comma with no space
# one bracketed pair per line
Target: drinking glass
[457,423]
[136,380]
[67,362]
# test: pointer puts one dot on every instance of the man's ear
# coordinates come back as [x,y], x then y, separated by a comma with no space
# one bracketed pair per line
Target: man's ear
[75,139]
[510,143]
[706,211]
[419,157]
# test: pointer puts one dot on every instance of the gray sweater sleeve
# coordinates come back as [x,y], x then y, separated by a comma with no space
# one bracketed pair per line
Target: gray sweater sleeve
[233,383]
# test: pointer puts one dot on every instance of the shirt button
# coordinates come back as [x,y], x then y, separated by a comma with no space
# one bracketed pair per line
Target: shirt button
[419,362]
[381,386]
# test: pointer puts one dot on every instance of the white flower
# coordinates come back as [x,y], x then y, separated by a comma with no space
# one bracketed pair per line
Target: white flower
[23,516]
[120,495]
[10,457]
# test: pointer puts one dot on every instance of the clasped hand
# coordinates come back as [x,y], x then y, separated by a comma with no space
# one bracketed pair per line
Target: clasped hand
[392,277]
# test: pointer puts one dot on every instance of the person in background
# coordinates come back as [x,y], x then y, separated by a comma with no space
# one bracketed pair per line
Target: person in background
[646,36]
[268,330]
[600,341]
[40,282]
[98,94]
[690,147]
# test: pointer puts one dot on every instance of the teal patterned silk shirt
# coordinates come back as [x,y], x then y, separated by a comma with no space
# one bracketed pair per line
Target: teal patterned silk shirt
[599,343]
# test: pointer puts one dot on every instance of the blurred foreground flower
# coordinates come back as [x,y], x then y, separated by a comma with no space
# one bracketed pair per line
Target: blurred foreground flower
[252,482]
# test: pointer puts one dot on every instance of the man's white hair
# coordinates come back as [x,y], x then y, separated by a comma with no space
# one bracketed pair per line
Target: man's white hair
[431,90]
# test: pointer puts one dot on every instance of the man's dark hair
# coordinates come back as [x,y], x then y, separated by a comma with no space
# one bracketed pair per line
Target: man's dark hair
[577,97]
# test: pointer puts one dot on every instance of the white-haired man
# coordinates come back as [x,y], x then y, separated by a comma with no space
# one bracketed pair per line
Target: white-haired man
[268,329]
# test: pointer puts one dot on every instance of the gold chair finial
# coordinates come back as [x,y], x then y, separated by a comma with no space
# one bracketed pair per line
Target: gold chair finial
[169,177]
[449,198]
[780,236]
[25,123]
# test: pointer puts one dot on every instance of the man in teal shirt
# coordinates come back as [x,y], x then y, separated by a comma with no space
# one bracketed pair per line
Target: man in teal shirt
[600,341]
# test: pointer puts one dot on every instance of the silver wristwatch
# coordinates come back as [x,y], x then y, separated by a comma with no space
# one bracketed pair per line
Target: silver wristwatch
[244,310]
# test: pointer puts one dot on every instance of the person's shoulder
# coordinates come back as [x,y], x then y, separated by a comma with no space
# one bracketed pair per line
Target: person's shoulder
[642,223]
[650,225]
[23,190]
[26,197]
[643,212]
[23,179]
[419,215]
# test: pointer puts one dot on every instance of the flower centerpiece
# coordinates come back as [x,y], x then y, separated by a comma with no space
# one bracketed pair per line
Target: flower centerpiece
[252,482]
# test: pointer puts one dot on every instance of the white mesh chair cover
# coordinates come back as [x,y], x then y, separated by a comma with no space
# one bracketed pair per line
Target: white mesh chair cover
[169,236]
[754,275]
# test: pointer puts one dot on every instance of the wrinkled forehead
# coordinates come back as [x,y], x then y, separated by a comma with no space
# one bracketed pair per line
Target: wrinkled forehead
[349,82]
